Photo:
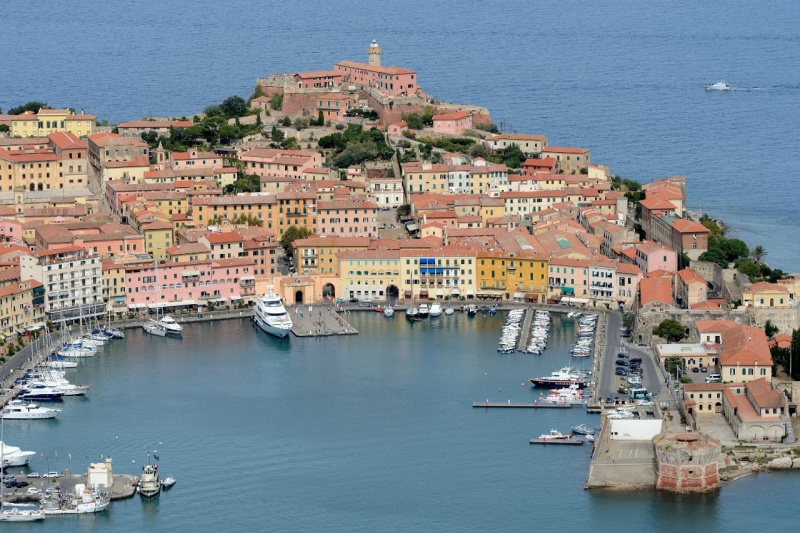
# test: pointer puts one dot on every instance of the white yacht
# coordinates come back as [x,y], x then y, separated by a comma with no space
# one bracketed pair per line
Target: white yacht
[449,311]
[21,515]
[18,410]
[424,311]
[719,86]
[84,502]
[154,328]
[149,484]
[170,326]
[14,455]
[435,310]
[388,312]
[271,316]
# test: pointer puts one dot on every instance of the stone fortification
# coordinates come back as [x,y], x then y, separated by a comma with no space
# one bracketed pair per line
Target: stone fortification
[688,462]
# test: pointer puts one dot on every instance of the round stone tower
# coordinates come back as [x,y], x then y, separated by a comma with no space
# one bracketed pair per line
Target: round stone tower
[374,54]
[688,462]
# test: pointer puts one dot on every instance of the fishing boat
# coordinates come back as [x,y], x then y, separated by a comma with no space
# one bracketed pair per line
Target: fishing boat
[583,430]
[555,435]
[149,483]
[85,501]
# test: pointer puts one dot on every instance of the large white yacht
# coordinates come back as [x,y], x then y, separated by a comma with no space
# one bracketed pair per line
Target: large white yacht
[14,455]
[271,316]
[19,410]
[170,326]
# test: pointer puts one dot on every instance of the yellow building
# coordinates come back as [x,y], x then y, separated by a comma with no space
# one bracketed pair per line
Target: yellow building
[517,276]
[21,307]
[49,121]
[772,295]
[158,236]
[319,254]
[277,211]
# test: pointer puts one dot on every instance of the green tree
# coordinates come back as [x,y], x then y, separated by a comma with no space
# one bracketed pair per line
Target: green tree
[770,329]
[671,330]
[287,122]
[30,106]
[671,364]
[758,253]
[259,123]
[749,268]
[213,111]
[4,128]
[276,102]
[320,119]
[234,106]
[277,134]
[627,320]
[292,234]
[414,121]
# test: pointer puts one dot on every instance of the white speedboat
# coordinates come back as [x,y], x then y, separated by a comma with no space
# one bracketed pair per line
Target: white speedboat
[436,309]
[168,482]
[14,455]
[18,410]
[449,311]
[149,483]
[424,311]
[21,515]
[116,333]
[170,326]
[271,316]
[154,328]
[719,86]
[388,312]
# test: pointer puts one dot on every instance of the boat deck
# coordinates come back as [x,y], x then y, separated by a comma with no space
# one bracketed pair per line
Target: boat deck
[519,405]
[573,442]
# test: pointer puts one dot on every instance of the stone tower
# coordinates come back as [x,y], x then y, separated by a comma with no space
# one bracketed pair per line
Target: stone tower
[161,157]
[374,54]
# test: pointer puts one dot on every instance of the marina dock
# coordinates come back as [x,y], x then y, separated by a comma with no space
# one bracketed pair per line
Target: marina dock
[573,442]
[319,321]
[124,486]
[518,405]
[526,330]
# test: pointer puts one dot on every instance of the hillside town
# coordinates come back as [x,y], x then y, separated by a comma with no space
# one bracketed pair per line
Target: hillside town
[353,185]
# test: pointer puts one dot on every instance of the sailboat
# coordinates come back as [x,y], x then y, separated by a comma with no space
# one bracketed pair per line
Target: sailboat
[15,514]
[152,326]
[412,313]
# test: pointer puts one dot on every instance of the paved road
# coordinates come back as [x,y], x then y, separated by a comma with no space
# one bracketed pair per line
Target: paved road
[608,381]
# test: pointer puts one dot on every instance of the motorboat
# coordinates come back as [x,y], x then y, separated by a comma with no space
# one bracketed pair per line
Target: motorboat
[583,430]
[435,310]
[555,435]
[509,333]
[154,328]
[412,313]
[19,410]
[589,437]
[149,483]
[170,326]
[388,312]
[472,310]
[449,311]
[559,379]
[116,333]
[42,394]
[14,455]
[85,501]
[719,86]
[271,316]
[572,395]
[424,311]
[168,482]
[21,515]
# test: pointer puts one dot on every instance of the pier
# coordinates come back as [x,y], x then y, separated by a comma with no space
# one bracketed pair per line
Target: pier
[318,321]
[518,405]
[526,330]
[124,486]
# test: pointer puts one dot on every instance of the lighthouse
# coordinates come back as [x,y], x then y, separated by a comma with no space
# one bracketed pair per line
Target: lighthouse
[374,54]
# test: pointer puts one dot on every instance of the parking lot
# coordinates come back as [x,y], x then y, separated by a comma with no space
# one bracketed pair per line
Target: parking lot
[610,383]
[389,227]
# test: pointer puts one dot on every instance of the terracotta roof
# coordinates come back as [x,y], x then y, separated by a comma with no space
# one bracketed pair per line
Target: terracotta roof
[714,326]
[781,340]
[681,225]
[188,248]
[451,116]
[318,74]
[654,203]
[690,276]
[745,345]
[315,241]
[517,137]
[627,268]
[655,290]
[545,162]
[223,237]
[764,395]
[325,205]
[704,387]
[374,68]
[156,225]
[764,286]
[113,139]
[66,140]
[564,150]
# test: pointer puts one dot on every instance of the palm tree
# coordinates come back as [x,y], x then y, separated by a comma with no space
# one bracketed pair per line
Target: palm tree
[758,253]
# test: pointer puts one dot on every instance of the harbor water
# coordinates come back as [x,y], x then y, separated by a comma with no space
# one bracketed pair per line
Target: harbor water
[374,432]
[622,78]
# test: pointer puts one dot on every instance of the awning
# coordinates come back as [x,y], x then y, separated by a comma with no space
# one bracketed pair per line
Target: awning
[235,297]
[412,227]
[119,299]
[247,278]
[34,327]
[220,300]
[178,303]
[439,292]
[519,295]
[455,292]
[136,306]
[567,290]
[407,293]
[190,273]
[470,292]
[571,300]
[423,294]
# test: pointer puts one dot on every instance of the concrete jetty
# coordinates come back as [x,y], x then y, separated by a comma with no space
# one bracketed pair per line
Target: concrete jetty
[124,486]
[518,405]
[526,330]
[318,321]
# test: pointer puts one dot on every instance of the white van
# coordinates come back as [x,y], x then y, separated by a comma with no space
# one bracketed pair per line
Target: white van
[713,378]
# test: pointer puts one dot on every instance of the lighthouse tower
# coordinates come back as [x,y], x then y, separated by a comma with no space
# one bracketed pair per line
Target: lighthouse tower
[374,54]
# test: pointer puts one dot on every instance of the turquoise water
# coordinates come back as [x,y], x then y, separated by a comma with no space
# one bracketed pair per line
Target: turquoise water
[373,432]
[622,78]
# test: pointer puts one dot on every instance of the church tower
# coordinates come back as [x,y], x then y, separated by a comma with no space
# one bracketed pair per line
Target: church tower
[161,157]
[374,54]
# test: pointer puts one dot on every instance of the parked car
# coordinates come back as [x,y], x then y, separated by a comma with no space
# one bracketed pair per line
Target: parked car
[22,484]
[33,475]
[52,490]
[621,372]
[695,369]
[703,369]
[608,399]
[52,474]
[620,362]
[622,390]
[353,300]
[33,490]
[366,302]
[622,355]
[9,477]
[636,360]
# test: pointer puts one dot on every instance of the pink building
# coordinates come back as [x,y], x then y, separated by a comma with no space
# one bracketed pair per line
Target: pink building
[188,284]
[334,106]
[269,162]
[10,230]
[397,128]
[452,123]
[347,218]
[318,79]
[393,81]
[652,256]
